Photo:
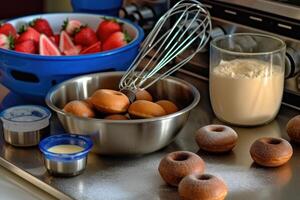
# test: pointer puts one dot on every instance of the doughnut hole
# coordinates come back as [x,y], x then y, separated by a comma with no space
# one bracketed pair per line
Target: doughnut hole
[293,129]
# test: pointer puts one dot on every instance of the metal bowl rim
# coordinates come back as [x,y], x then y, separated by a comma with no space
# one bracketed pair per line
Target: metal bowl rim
[131,121]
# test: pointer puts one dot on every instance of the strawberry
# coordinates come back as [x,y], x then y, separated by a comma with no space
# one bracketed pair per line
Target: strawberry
[116,40]
[27,46]
[70,26]
[55,39]
[95,48]
[28,34]
[73,51]
[108,27]
[6,42]
[85,37]
[8,29]
[42,26]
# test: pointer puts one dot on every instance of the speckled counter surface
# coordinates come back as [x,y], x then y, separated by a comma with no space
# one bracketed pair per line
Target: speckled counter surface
[138,178]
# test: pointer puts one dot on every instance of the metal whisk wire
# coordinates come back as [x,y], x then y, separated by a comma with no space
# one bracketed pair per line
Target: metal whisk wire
[191,28]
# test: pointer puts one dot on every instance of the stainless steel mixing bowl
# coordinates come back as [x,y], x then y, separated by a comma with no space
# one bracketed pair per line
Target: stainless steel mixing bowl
[116,137]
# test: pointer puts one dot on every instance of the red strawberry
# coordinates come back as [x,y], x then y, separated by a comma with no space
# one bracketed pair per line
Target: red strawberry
[95,48]
[55,39]
[8,29]
[70,26]
[42,26]
[6,42]
[108,27]
[116,40]
[27,46]
[29,34]
[85,37]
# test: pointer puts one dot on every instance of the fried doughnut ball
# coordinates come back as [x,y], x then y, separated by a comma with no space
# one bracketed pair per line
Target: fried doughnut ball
[110,101]
[117,117]
[143,95]
[168,106]
[145,109]
[293,129]
[79,108]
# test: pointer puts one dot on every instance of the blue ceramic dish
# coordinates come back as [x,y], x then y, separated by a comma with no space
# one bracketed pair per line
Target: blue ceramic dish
[104,7]
[31,76]
[59,164]
[65,139]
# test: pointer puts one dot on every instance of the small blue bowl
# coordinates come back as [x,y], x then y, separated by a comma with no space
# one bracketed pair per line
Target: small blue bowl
[31,76]
[65,164]
[104,7]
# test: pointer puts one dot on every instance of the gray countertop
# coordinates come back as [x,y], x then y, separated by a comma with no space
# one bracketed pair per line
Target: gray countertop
[138,178]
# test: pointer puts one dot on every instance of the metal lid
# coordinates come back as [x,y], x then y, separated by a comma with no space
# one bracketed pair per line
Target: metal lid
[25,118]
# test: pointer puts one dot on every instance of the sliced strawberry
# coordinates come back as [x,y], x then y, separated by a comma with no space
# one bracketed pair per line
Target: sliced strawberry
[29,34]
[8,29]
[73,51]
[65,42]
[27,46]
[70,26]
[47,47]
[6,42]
[116,40]
[108,27]
[42,26]
[85,37]
[55,39]
[95,48]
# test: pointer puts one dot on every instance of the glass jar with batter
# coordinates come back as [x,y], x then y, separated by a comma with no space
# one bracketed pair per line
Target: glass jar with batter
[246,78]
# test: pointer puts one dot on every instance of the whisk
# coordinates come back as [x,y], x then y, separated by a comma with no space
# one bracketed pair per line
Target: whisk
[187,25]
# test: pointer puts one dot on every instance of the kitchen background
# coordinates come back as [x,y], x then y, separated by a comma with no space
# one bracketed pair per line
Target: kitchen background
[9,10]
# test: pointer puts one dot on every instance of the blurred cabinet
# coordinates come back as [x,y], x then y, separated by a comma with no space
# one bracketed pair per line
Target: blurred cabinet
[15,8]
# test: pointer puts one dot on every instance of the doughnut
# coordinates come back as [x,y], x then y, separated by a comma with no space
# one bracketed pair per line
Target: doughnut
[143,95]
[202,187]
[145,109]
[117,117]
[216,138]
[110,101]
[293,129]
[79,108]
[176,165]
[168,106]
[271,152]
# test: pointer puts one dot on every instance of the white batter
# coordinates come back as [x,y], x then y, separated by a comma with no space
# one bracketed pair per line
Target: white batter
[65,149]
[246,92]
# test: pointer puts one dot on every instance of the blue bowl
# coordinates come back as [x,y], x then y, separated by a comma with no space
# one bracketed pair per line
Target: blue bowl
[104,7]
[31,76]
[65,139]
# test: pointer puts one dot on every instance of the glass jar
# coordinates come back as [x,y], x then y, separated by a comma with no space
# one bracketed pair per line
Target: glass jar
[246,78]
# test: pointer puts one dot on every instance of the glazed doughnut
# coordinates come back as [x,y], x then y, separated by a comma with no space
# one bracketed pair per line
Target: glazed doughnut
[271,152]
[179,164]
[110,101]
[143,95]
[145,109]
[293,129]
[117,117]
[79,108]
[202,187]
[168,106]
[216,138]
